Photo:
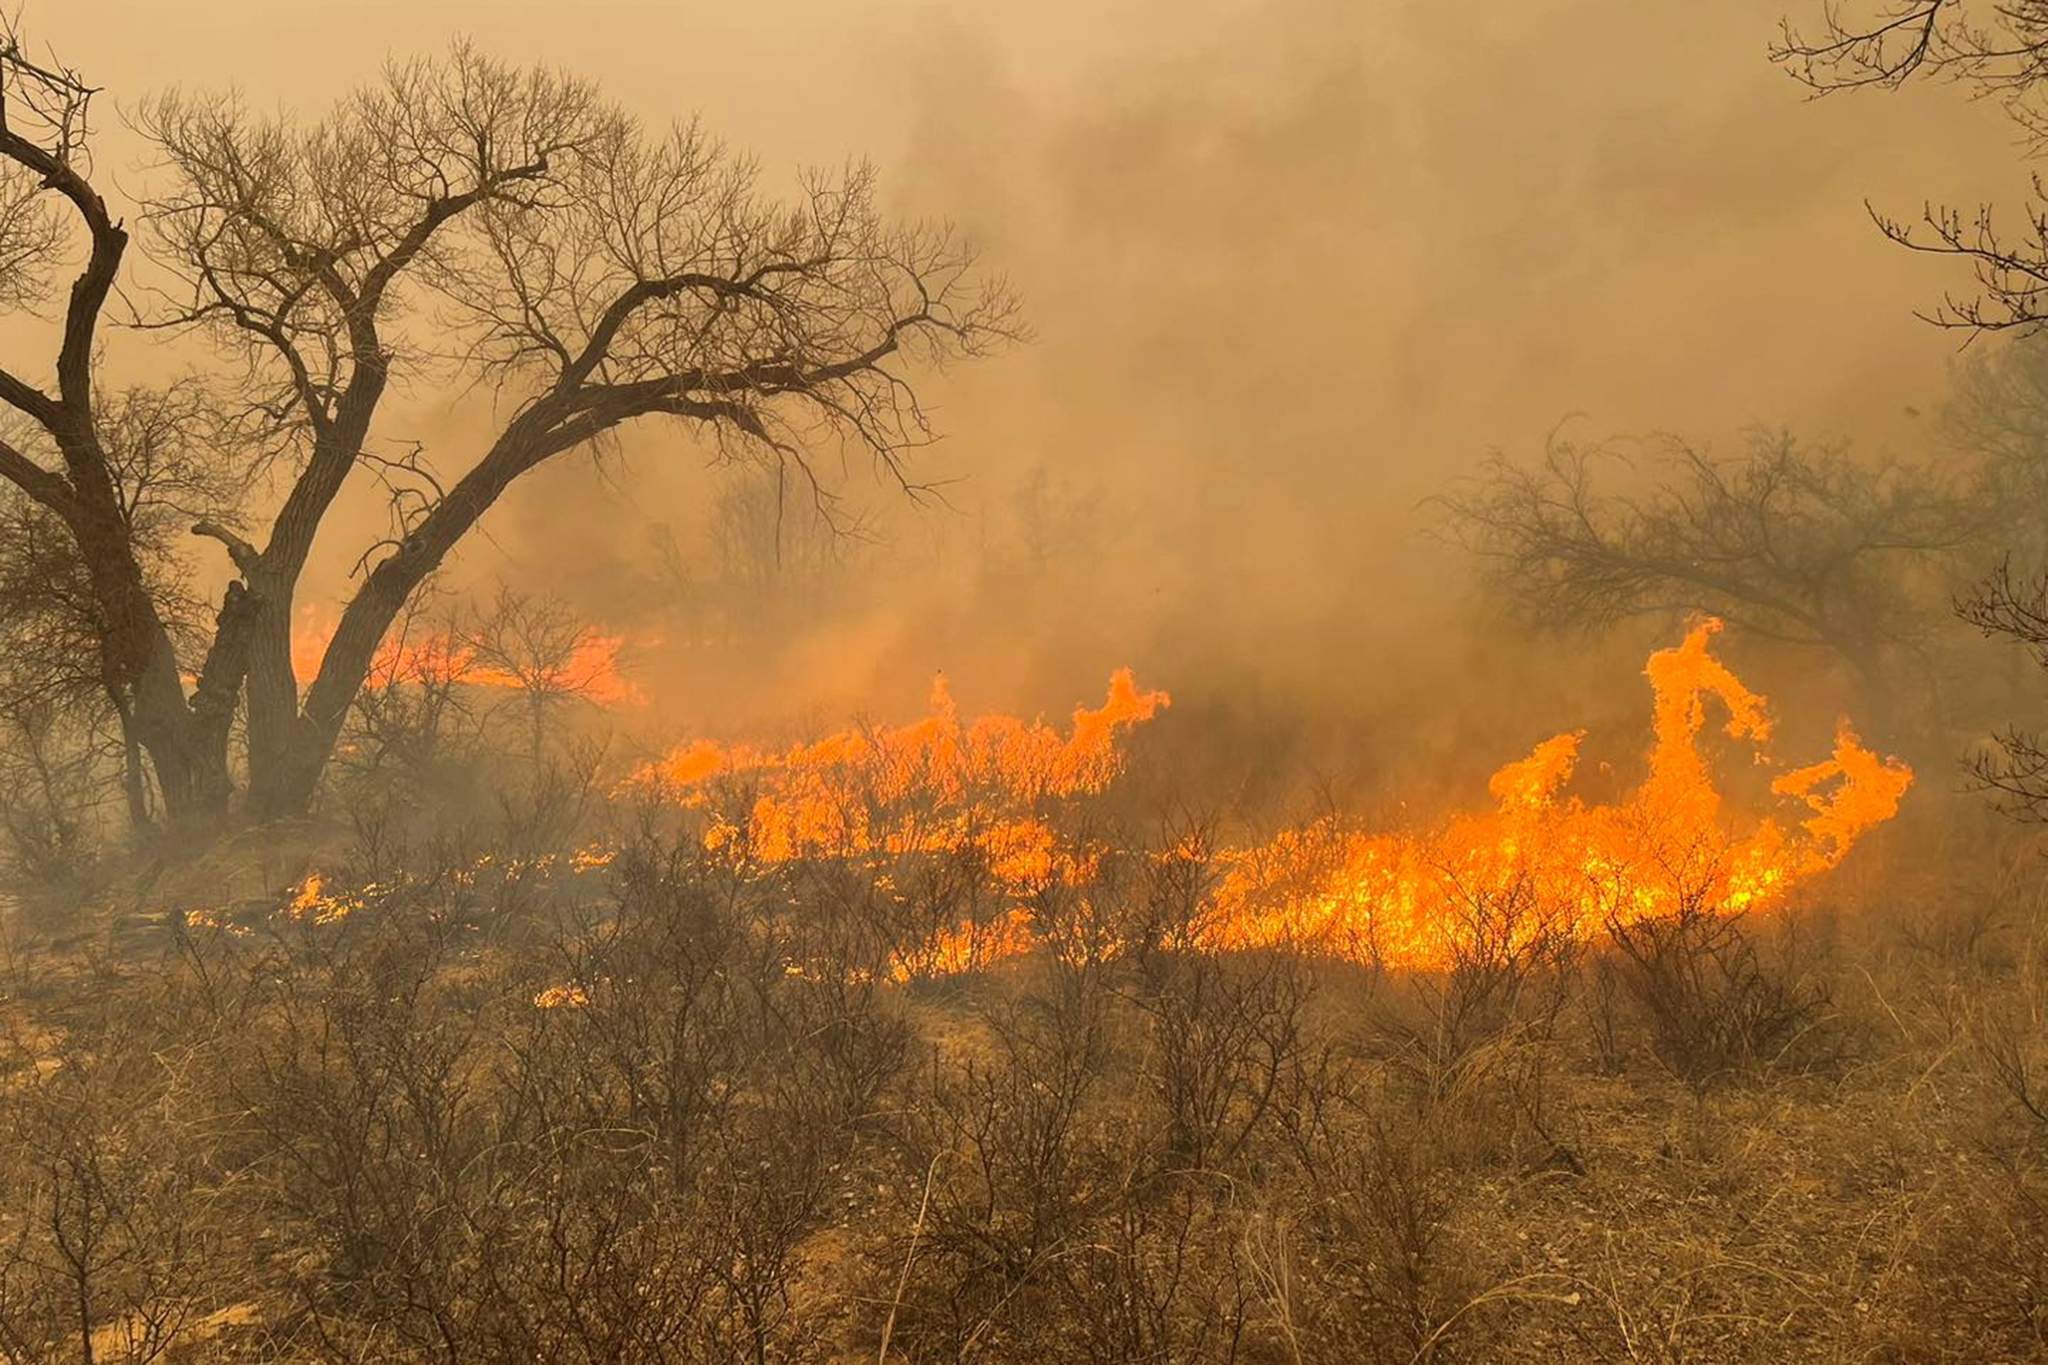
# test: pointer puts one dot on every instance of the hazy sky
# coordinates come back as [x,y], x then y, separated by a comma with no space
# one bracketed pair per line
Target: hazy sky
[1290,265]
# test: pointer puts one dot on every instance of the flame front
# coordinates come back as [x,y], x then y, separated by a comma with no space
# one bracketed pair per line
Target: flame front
[1567,866]
[938,785]
[1403,899]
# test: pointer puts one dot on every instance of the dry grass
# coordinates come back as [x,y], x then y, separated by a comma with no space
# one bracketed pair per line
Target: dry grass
[1818,1137]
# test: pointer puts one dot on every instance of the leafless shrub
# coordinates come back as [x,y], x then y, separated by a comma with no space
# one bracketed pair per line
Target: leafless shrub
[1507,979]
[1470,1045]
[543,654]
[1021,1163]
[112,1239]
[1162,1279]
[411,730]
[1962,932]
[1603,1003]
[482,1160]
[1716,1007]
[49,778]
[1230,1037]
[1229,1041]
[1377,1273]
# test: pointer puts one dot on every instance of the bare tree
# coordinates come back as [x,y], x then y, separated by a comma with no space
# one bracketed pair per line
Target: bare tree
[54,707]
[2013,765]
[1792,544]
[412,714]
[1999,50]
[542,651]
[763,540]
[1056,522]
[463,219]
[1996,417]
[164,456]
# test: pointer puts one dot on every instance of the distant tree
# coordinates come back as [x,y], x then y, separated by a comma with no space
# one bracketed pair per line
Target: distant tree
[540,650]
[1995,422]
[2013,763]
[412,714]
[768,561]
[1791,543]
[1055,522]
[461,221]
[767,538]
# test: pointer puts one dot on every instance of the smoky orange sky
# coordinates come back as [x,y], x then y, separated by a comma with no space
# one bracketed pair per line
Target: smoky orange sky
[1290,267]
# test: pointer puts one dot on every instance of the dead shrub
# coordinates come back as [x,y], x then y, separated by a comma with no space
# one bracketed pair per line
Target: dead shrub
[1716,1007]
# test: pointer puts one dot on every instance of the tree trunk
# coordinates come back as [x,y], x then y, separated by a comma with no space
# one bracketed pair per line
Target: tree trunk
[284,775]
[288,758]
[275,789]
[137,661]
[134,781]
[191,775]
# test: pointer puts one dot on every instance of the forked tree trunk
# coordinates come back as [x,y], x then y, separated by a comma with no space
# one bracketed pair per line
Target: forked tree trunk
[288,755]
[285,772]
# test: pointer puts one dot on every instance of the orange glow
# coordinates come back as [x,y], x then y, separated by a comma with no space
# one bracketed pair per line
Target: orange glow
[592,670]
[570,996]
[1539,861]
[313,902]
[308,896]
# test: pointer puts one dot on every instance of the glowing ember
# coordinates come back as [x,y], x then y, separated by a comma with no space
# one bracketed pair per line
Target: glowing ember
[592,857]
[307,898]
[313,902]
[570,996]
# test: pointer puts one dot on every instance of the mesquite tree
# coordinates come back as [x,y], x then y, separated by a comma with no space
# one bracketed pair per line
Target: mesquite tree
[462,221]
[1788,542]
[1997,50]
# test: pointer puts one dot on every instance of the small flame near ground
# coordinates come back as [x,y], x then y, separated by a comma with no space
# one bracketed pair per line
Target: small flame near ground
[1400,899]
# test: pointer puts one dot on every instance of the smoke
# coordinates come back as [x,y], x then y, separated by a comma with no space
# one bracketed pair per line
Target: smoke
[1291,267]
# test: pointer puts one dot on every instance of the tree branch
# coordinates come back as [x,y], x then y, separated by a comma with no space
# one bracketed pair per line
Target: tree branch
[48,488]
[30,401]
[245,557]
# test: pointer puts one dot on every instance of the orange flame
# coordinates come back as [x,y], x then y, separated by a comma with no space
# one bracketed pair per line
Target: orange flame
[936,785]
[592,669]
[1402,899]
